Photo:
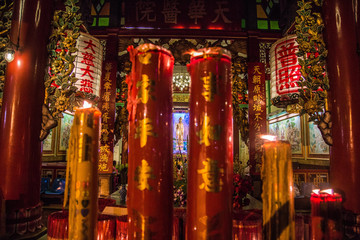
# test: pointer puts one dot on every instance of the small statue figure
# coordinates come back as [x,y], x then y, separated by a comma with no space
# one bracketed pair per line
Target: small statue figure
[180,133]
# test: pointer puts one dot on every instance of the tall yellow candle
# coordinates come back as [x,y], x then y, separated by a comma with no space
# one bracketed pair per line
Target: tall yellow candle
[82,173]
[277,195]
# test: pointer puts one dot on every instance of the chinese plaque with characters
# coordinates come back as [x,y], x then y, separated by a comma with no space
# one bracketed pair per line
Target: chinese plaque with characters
[88,64]
[150,189]
[257,113]
[211,149]
[196,14]
[107,107]
[285,68]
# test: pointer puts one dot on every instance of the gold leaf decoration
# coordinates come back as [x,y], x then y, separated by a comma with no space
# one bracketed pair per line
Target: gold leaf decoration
[312,59]
[178,47]
[239,90]
[59,84]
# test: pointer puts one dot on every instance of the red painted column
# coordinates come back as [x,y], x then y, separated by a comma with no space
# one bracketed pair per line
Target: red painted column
[20,122]
[342,37]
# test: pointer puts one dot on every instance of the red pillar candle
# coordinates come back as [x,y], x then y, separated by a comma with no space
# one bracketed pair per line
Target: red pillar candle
[150,189]
[211,146]
[326,209]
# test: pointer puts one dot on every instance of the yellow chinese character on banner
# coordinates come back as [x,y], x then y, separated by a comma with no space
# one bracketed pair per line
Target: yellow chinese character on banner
[257,126]
[106,96]
[211,174]
[258,117]
[107,76]
[107,86]
[257,99]
[108,66]
[105,106]
[209,84]
[105,117]
[256,79]
[104,134]
[257,70]
[144,129]
[103,157]
[103,167]
[142,175]
[105,149]
[208,132]
[144,87]
[257,89]
[257,107]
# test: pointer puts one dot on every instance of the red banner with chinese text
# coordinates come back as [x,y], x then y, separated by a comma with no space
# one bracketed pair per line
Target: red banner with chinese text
[257,113]
[107,108]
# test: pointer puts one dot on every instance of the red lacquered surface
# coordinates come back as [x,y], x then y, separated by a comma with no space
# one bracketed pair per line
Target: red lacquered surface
[344,74]
[20,122]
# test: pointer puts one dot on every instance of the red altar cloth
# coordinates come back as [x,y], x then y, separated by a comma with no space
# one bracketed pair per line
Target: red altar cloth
[58,226]
[246,225]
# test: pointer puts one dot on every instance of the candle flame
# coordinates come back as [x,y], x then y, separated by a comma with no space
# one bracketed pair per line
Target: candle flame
[316,191]
[87,105]
[194,53]
[328,191]
[271,138]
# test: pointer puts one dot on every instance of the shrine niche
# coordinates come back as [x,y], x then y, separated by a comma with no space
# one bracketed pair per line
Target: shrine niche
[179,48]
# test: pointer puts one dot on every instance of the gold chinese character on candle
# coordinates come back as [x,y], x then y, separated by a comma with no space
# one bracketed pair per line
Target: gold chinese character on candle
[143,130]
[144,87]
[142,175]
[211,174]
[81,173]
[209,87]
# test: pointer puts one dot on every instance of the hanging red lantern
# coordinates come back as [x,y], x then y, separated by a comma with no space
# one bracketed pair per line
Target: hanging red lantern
[285,72]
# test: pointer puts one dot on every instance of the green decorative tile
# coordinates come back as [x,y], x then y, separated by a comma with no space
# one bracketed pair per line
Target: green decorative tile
[262,24]
[274,25]
[104,22]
